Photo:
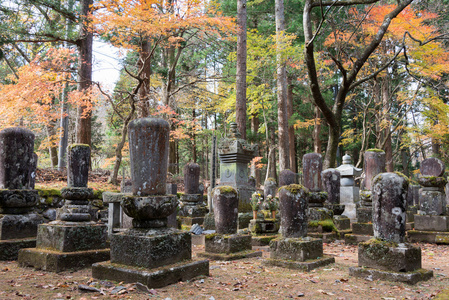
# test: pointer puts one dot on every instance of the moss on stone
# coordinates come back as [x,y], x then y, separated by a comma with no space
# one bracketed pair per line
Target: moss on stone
[49,193]
[294,188]
[271,179]
[327,225]
[375,150]
[378,242]
[403,176]
[227,189]
[78,145]
[210,236]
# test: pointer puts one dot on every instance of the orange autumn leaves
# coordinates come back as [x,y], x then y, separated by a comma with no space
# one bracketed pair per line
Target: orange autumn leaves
[33,98]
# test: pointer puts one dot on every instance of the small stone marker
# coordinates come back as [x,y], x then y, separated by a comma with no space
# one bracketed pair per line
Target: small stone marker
[225,209]
[194,209]
[269,188]
[331,185]
[191,178]
[432,167]
[293,206]
[386,256]
[287,177]
[374,164]
[312,167]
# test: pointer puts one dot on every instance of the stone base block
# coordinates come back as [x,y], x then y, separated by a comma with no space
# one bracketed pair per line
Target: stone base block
[342,233]
[198,239]
[71,236]
[244,219]
[152,278]
[342,222]
[230,256]
[9,249]
[405,277]
[431,223]
[53,261]
[192,198]
[296,249]
[264,226]
[327,237]
[364,214]
[150,248]
[409,226]
[354,239]
[209,222]
[189,221]
[306,266]
[363,228]
[320,214]
[433,237]
[19,226]
[387,256]
[262,240]
[191,210]
[219,243]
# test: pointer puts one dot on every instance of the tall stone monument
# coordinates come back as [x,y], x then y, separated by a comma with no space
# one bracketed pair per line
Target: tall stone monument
[294,249]
[362,230]
[349,191]
[18,224]
[387,256]
[194,208]
[151,252]
[73,241]
[432,219]
[235,153]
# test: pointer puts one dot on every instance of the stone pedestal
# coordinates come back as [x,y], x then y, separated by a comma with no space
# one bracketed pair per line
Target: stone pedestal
[150,253]
[73,241]
[386,256]
[18,224]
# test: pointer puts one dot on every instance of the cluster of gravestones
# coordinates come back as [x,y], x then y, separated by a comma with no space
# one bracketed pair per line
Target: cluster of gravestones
[155,254]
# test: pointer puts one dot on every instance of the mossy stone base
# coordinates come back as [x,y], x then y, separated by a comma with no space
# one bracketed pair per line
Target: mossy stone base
[244,219]
[20,226]
[9,249]
[209,221]
[364,214]
[354,239]
[71,236]
[230,256]
[54,261]
[363,228]
[264,226]
[342,222]
[306,266]
[405,277]
[152,278]
[431,223]
[296,249]
[433,237]
[320,214]
[220,243]
[189,221]
[262,240]
[327,237]
[387,256]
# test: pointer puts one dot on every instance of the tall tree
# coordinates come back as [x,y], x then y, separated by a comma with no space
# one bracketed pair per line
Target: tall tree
[240,85]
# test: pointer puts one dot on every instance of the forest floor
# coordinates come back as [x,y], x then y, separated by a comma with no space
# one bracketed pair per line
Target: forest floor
[240,279]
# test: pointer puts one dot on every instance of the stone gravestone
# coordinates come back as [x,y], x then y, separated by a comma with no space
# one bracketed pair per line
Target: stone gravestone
[432,220]
[226,244]
[386,256]
[331,183]
[73,241]
[362,230]
[349,191]
[18,224]
[235,153]
[269,187]
[193,209]
[150,253]
[294,249]
[287,177]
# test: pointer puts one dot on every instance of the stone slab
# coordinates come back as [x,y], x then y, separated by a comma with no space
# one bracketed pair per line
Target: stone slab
[230,256]
[9,249]
[198,239]
[327,237]
[150,248]
[342,222]
[71,236]
[433,237]
[387,256]
[364,214]
[19,226]
[431,223]
[264,226]
[189,221]
[262,240]
[306,266]
[54,261]
[354,239]
[363,228]
[296,249]
[219,243]
[405,277]
[320,214]
[152,278]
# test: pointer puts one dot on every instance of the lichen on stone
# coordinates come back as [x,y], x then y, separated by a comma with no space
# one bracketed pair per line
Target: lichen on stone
[375,150]
[226,189]
[295,188]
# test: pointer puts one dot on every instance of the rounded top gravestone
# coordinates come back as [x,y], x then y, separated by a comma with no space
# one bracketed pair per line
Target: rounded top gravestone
[78,165]
[374,164]
[287,177]
[312,167]
[191,178]
[432,167]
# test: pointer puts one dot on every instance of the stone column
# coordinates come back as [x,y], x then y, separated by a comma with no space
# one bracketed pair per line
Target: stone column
[312,165]
[349,192]
[225,210]
[193,209]
[287,177]
[293,206]
[18,224]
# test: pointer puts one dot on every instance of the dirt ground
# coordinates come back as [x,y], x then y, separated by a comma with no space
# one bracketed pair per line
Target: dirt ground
[241,279]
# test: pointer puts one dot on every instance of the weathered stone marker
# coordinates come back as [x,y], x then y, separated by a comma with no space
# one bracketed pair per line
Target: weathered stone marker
[150,253]
[18,225]
[294,249]
[349,191]
[362,230]
[226,244]
[194,208]
[331,181]
[269,187]
[386,256]
[432,220]
[72,241]
[287,177]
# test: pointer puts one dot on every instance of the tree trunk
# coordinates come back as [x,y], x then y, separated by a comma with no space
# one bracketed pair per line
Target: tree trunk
[271,168]
[240,84]
[84,116]
[255,172]
[64,124]
[389,165]
[317,131]
[284,157]
[194,154]
[291,129]
[144,69]
[52,149]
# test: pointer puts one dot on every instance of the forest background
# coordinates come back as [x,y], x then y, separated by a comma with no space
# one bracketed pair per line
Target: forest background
[297,76]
